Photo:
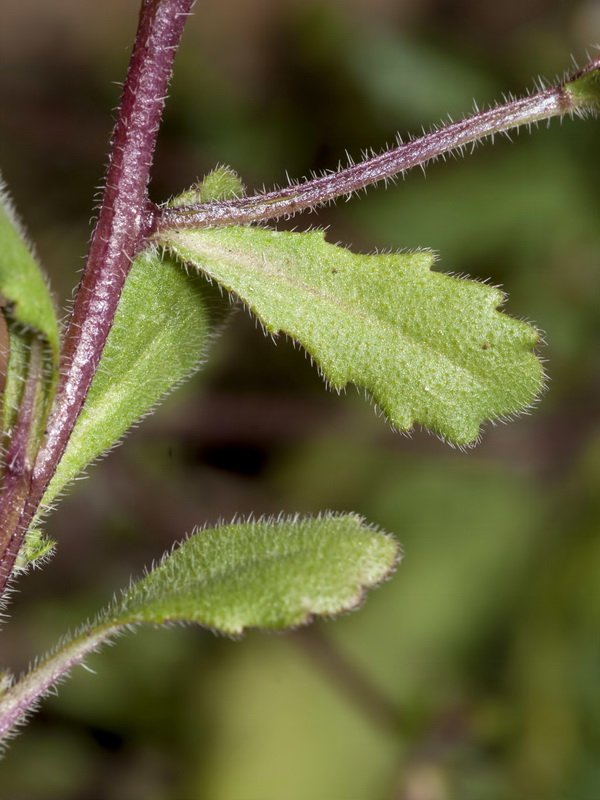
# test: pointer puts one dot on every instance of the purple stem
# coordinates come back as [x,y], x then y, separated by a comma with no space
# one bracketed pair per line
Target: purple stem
[548,103]
[124,222]
[17,473]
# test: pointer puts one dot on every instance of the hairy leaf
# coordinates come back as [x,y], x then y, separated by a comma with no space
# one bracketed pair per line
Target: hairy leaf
[36,547]
[267,574]
[22,285]
[220,184]
[272,575]
[27,306]
[30,348]
[16,359]
[584,88]
[430,348]
[160,333]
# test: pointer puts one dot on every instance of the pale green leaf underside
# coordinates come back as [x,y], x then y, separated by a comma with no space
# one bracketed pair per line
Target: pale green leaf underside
[430,348]
[161,330]
[22,285]
[263,574]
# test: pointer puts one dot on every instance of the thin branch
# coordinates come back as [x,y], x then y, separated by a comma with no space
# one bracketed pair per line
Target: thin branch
[362,692]
[123,223]
[21,698]
[17,470]
[578,95]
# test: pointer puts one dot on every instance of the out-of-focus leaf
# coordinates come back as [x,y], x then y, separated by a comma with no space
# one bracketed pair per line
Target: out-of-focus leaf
[585,88]
[430,348]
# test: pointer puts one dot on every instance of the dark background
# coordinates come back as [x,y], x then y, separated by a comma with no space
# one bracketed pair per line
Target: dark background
[474,673]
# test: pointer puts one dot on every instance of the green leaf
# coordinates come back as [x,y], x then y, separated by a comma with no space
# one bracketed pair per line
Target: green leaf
[267,574]
[430,348]
[28,309]
[22,285]
[220,184]
[162,327]
[160,334]
[5,681]
[584,89]
[273,575]
[36,547]
[19,349]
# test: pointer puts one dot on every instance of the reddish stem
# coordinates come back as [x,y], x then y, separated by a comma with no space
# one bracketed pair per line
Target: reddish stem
[17,471]
[555,101]
[123,223]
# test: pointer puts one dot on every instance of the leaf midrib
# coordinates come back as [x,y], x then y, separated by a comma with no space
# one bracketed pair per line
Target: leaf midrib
[215,578]
[251,262]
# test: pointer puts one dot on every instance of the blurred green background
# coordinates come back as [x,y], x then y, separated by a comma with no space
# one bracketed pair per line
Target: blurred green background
[475,672]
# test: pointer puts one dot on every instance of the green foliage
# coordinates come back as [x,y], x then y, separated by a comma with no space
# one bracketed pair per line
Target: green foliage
[23,287]
[222,183]
[19,349]
[36,547]
[455,614]
[30,318]
[430,348]
[159,337]
[585,90]
[267,574]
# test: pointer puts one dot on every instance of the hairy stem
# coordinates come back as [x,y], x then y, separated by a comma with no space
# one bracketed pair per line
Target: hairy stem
[17,471]
[21,697]
[578,95]
[123,223]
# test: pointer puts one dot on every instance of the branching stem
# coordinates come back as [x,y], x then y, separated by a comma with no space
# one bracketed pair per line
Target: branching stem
[127,220]
[122,227]
[579,94]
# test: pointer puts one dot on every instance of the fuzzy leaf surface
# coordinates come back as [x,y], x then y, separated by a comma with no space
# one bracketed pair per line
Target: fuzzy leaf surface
[28,309]
[161,330]
[272,575]
[430,348]
[220,184]
[267,574]
[23,287]
[585,89]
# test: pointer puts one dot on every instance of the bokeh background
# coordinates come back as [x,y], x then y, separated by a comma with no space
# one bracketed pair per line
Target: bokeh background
[473,674]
